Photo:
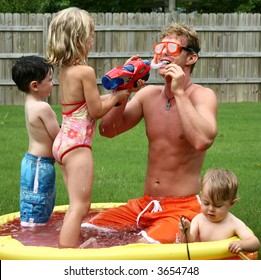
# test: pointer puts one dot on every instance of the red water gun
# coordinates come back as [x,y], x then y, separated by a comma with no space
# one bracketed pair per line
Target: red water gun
[126,76]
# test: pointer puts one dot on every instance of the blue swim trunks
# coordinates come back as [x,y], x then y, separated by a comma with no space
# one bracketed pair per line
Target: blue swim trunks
[37,190]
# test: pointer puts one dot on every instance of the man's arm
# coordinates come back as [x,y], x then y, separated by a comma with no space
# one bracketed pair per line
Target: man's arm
[123,117]
[197,112]
[198,117]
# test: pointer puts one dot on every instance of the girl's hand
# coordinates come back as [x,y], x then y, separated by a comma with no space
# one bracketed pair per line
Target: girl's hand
[122,95]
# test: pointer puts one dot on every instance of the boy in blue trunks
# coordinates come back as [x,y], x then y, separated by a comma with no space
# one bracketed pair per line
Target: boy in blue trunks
[34,77]
[180,120]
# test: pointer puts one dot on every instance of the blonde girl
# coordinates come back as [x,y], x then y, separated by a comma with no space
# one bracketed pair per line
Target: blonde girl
[70,39]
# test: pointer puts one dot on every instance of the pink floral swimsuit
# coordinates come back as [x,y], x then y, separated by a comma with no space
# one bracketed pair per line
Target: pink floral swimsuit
[77,130]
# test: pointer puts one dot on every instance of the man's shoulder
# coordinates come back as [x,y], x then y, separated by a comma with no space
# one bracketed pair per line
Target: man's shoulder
[197,87]
[199,92]
[150,90]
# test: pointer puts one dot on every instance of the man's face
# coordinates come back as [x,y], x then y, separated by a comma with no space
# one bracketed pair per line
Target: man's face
[170,50]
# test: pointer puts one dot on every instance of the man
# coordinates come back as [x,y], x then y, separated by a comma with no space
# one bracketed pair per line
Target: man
[180,119]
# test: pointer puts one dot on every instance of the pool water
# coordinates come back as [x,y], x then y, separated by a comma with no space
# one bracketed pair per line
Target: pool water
[48,235]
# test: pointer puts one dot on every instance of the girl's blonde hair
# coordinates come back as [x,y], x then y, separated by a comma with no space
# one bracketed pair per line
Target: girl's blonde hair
[222,185]
[68,41]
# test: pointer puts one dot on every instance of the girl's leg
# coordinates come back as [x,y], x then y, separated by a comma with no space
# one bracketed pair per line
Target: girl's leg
[64,172]
[64,175]
[79,168]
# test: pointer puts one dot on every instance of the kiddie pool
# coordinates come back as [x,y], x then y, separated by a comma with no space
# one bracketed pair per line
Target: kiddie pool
[11,248]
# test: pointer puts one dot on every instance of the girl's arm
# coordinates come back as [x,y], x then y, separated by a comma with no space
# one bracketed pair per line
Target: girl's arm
[98,106]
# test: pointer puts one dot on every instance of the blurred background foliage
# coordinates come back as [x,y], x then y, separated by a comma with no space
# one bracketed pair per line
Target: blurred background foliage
[137,6]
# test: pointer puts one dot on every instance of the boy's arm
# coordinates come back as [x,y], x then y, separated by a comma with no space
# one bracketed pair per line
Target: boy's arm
[248,241]
[250,244]
[49,120]
[189,229]
[194,229]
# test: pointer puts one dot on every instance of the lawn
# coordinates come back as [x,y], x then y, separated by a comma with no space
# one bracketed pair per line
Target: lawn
[120,163]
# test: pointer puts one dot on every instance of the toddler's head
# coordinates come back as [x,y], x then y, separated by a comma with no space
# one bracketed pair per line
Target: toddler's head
[220,185]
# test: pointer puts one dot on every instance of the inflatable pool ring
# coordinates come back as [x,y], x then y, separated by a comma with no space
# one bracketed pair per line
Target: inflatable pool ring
[10,248]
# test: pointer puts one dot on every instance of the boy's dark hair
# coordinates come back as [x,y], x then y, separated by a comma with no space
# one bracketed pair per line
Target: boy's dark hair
[29,68]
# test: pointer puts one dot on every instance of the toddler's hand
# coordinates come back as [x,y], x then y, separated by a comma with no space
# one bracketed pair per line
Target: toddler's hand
[235,247]
[184,224]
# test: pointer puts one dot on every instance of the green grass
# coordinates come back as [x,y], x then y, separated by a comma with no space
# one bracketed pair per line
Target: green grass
[120,163]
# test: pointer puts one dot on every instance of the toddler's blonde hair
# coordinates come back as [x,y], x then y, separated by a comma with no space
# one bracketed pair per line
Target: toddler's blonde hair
[222,185]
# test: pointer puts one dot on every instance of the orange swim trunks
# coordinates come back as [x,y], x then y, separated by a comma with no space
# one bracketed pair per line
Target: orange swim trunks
[158,218]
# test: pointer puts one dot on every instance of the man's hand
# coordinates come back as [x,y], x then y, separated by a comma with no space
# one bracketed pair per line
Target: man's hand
[134,57]
[175,76]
